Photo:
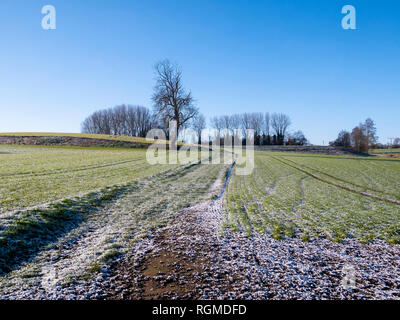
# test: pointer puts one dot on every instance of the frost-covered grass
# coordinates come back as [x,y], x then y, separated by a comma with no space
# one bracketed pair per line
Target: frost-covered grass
[34,175]
[74,237]
[312,196]
[377,176]
[23,233]
[104,196]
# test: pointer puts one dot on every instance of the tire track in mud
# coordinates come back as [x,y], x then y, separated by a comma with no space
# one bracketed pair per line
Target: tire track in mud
[303,194]
[340,179]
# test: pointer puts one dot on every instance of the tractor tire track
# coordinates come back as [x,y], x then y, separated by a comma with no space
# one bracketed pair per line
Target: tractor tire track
[393,201]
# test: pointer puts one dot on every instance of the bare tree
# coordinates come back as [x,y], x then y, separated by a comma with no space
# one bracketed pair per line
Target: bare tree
[118,123]
[226,122]
[267,122]
[97,123]
[87,125]
[198,124]
[280,123]
[370,133]
[257,124]
[246,121]
[358,139]
[236,125]
[139,121]
[235,121]
[171,100]
[216,123]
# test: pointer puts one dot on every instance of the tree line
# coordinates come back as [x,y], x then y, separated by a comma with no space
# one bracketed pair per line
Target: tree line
[172,102]
[121,120]
[361,139]
[269,129]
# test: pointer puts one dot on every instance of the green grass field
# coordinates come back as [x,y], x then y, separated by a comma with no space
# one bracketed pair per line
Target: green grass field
[53,195]
[314,196]
[288,194]
[49,194]
[393,150]
[33,175]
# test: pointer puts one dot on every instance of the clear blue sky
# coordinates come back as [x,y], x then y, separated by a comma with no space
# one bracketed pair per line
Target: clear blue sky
[237,56]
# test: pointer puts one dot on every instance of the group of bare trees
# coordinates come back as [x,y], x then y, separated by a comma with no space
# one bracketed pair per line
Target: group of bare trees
[120,120]
[172,102]
[362,138]
[269,129]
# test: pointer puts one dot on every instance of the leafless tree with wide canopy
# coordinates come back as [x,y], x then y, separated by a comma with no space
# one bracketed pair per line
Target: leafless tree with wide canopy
[171,101]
